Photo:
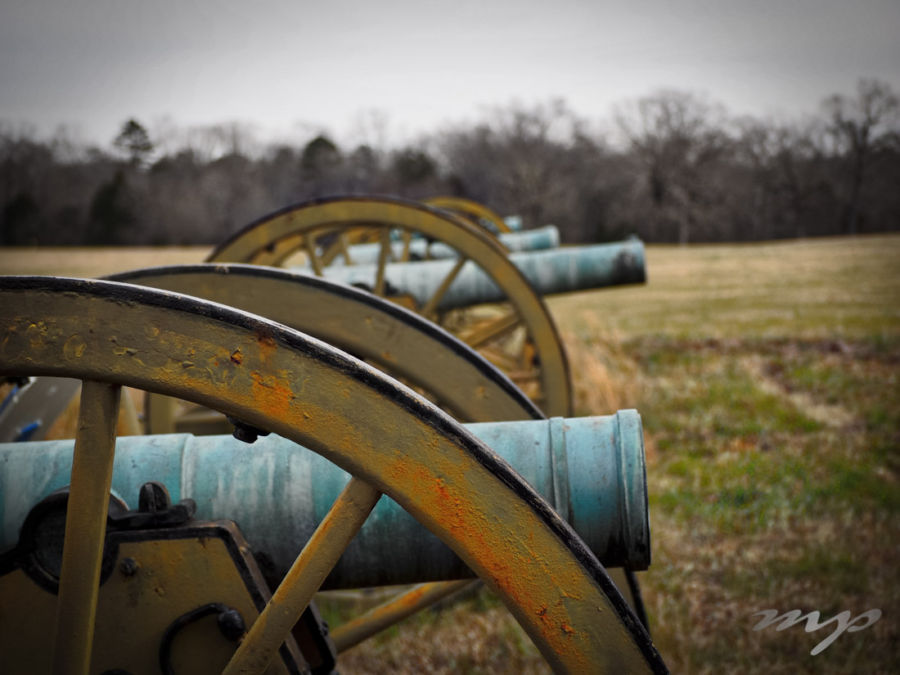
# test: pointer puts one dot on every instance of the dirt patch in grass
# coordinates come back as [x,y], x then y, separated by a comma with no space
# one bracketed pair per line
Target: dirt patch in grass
[765,376]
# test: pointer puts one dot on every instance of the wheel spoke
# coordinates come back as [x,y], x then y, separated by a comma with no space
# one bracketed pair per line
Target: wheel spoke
[129,420]
[491,329]
[278,251]
[309,245]
[428,311]
[92,464]
[159,413]
[383,255]
[309,570]
[407,240]
[394,610]
[522,377]
[503,361]
[336,248]
[345,250]
[527,355]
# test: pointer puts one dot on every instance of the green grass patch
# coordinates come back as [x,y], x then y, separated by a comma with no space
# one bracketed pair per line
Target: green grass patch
[696,391]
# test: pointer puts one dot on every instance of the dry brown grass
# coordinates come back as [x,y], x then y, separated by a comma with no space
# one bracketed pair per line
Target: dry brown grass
[795,289]
[607,378]
[461,639]
[87,262]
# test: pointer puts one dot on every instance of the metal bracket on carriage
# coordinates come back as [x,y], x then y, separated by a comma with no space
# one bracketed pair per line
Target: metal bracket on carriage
[155,509]
[246,432]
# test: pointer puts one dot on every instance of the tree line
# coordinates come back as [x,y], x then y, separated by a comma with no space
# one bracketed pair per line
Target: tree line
[678,169]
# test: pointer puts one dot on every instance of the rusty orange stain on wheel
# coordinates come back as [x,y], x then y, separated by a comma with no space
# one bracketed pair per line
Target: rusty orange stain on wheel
[459,516]
[266,346]
[270,395]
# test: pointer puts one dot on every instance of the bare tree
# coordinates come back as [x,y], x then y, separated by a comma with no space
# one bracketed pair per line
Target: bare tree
[859,127]
[679,139]
[520,160]
[788,162]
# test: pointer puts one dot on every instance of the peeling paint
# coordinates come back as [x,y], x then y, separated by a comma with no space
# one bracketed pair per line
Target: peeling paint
[74,347]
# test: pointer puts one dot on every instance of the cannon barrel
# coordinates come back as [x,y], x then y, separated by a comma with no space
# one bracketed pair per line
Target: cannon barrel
[420,248]
[591,470]
[562,270]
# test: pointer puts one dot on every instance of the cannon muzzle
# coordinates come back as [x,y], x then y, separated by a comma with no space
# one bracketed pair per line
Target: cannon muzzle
[591,470]
[553,271]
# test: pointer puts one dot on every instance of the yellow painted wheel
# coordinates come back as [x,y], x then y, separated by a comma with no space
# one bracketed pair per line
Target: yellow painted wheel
[391,442]
[391,338]
[518,336]
[474,211]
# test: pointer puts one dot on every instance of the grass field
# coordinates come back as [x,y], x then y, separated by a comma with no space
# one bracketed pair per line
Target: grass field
[767,379]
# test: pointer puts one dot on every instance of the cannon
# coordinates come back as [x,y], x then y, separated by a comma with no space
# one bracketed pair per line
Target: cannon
[550,272]
[520,338]
[273,379]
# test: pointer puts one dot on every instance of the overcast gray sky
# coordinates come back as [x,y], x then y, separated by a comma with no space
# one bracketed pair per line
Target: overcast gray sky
[288,67]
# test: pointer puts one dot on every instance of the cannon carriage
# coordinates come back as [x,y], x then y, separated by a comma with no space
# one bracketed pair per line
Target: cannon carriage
[368,433]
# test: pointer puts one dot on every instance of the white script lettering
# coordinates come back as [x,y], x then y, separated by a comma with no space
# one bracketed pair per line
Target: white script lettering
[844,623]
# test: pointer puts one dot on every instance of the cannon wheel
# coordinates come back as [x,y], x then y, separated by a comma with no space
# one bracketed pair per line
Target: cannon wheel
[319,227]
[390,441]
[472,210]
[390,337]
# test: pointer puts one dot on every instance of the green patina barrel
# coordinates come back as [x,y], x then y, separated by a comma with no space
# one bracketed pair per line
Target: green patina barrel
[550,272]
[591,470]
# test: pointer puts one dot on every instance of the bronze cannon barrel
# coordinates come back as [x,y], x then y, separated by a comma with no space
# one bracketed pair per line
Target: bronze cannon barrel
[590,469]
[550,272]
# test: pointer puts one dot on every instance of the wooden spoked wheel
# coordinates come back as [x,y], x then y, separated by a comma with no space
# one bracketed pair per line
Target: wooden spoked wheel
[391,338]
[391,442]
[518,335]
